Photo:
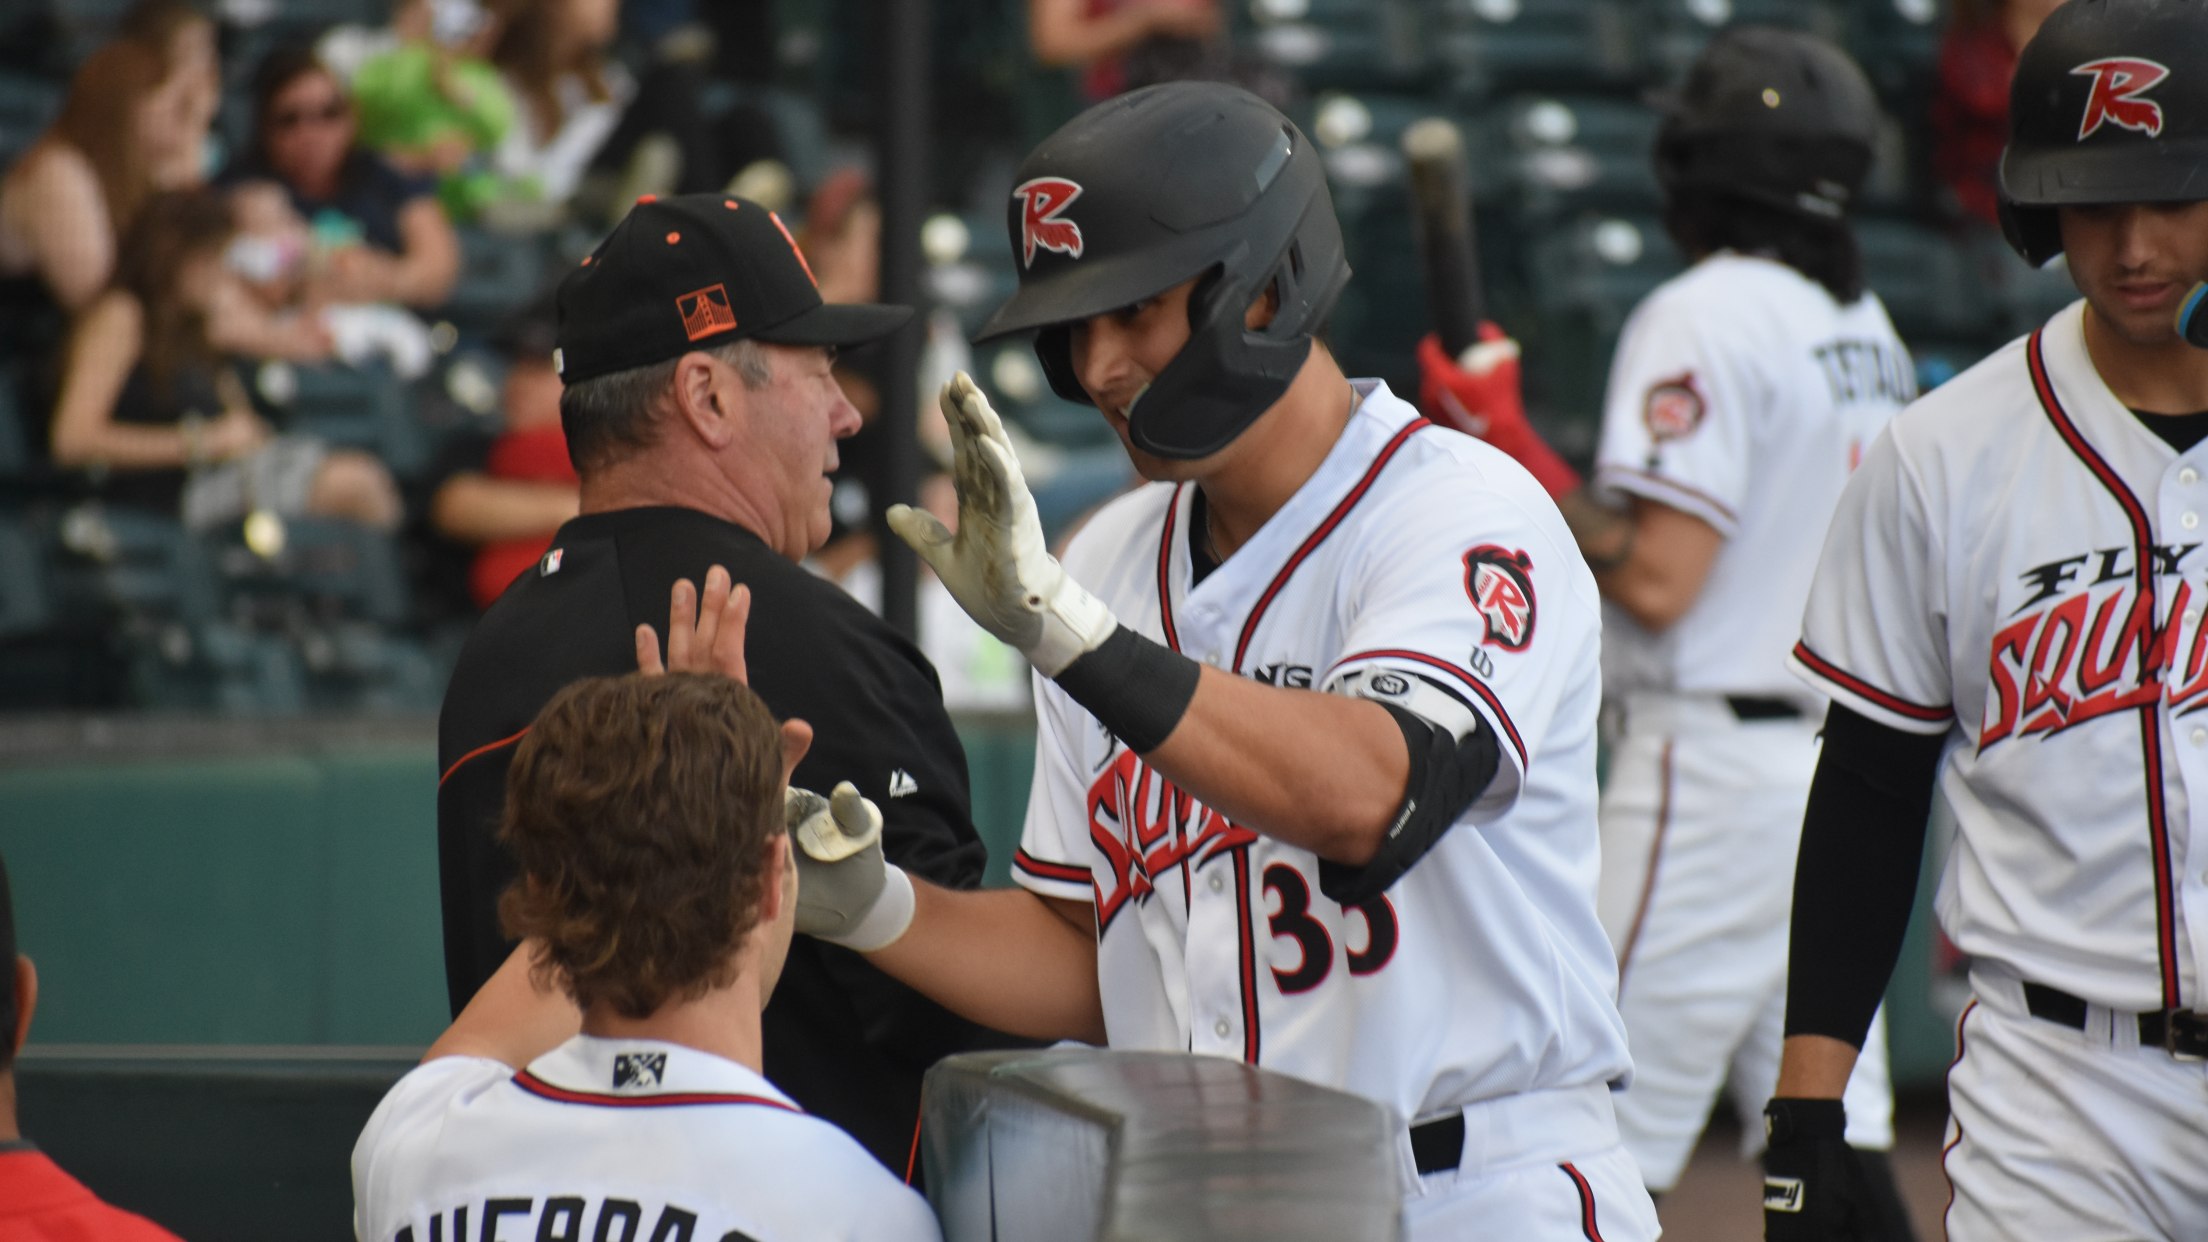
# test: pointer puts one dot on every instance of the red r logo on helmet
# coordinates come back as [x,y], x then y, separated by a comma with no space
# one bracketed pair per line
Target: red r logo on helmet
[1040,202]
[2117,84]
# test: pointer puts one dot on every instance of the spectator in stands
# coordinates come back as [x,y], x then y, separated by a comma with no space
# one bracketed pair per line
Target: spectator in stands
[379,236]
[37,1199]
[185,37]
[505,495]
[121,136]
[432,107]
[571,91]
[1122,44]
[1970,103]
[671,965]
[149,406]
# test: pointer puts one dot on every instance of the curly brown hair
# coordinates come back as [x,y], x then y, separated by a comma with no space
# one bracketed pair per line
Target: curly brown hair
[642,813]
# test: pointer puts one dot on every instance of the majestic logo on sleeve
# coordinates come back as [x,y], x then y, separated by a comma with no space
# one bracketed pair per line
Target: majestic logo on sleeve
[638,1069]
[2082,645]
[2117,84]
[1500,583]
[1041,201]
[1673,408]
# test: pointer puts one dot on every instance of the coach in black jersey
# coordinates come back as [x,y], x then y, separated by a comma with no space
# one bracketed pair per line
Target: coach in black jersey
[703,420]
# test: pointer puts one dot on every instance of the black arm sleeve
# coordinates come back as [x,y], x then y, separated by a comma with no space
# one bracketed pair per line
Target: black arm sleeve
[1855,879]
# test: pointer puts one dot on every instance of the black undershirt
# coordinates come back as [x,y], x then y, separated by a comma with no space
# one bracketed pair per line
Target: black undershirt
[1200,560]
[2182,431]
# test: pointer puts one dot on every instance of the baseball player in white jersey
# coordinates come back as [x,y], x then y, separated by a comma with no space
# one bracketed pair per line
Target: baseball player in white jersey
[654,1121]
[2010,600]
[1315,775]
[1743,393]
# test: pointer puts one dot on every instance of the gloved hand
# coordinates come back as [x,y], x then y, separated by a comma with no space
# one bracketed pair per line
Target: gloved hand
[847,893]
[997,566]
[1814,1185]
[1478,394]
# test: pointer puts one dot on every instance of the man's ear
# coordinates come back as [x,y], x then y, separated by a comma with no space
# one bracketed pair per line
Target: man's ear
[703,402]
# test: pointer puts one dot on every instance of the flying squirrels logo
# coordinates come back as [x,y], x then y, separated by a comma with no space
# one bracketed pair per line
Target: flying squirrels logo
[1042,200]
[2084,645]
[1500,584]
[1145,827]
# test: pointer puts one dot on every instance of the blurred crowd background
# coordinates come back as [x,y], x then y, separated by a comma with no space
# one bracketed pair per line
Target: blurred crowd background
[277,406]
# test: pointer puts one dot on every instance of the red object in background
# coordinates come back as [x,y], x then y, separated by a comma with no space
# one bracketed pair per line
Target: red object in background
[537,455]
[1970,116]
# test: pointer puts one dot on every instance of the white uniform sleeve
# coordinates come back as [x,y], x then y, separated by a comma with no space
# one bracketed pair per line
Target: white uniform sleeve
[1678,419]
[1054,841]
[1461,628]
[1875,633]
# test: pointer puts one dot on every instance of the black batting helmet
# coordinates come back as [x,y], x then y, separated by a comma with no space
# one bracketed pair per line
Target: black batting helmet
[1774,116]
[1157,186]
[2109,105]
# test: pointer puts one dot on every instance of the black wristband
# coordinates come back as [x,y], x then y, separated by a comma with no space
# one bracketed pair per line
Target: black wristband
[1137,689]
[1786,1120]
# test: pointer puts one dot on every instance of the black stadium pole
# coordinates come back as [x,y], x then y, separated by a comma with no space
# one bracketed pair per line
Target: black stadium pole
[903,144]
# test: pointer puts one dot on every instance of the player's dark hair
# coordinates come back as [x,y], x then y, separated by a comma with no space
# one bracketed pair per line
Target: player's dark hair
[8,1015]
[641,812]
[1703,222]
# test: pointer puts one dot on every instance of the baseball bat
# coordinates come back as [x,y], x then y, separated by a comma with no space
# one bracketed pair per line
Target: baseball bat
[2192,316]
[1441,198]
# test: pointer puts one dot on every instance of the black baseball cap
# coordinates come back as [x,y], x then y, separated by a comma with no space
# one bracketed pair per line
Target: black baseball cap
[691,272]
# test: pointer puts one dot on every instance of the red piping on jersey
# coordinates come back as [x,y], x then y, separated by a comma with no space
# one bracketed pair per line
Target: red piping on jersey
[478,752]
[1681,488]
[1059,872]
[1588,1227]
[912,1161]
[1848,681]
[1655,857]
[2151,656]
[1317,537]
[1474,684]
[673,1099]
[1249,953]
[1952,1143]
[1165,567]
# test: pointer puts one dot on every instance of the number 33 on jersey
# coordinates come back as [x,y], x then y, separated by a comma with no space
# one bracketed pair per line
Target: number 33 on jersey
[1417,567]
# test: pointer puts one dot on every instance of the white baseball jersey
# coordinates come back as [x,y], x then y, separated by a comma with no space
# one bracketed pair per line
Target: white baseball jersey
[2018,564]
[1744,394]
[1418,566]
[628,1139]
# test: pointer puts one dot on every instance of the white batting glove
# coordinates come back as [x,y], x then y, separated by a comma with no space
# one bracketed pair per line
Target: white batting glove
[847,893]
[996,566]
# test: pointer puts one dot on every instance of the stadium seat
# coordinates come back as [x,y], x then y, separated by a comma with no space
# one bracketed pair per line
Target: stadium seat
[358,668]
[499,273]
[1925,280]
[1584,278]
[1562,154]
[1898,44]
[321,571]
[1488,48]
[26,593]
[364,407]
[117,565]
[1681,27]
[1330,44]
[216,667]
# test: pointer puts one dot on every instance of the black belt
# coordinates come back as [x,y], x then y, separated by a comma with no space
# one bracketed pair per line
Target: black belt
[1761,707]
[1437,1146]
[2179,1032]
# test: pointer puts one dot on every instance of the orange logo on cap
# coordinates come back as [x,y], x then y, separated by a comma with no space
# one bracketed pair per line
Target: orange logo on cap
[705,311]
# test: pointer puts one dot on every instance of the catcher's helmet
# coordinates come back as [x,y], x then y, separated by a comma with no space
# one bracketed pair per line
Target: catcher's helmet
[1157,186]
[2109,105]
[1774,116]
